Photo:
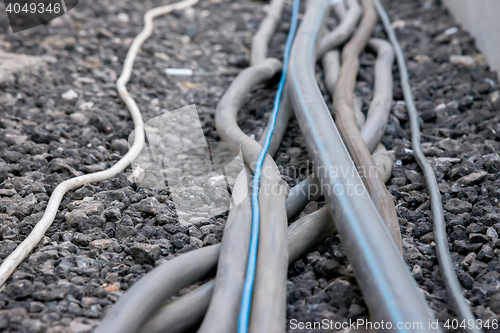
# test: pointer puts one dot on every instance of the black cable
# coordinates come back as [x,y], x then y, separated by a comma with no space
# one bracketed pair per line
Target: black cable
[446,266]
[389,290]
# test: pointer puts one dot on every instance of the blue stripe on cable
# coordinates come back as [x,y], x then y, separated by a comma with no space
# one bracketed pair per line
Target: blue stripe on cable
[246,300]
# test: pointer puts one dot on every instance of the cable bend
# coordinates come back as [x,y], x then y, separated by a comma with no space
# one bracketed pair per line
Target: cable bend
[338,36]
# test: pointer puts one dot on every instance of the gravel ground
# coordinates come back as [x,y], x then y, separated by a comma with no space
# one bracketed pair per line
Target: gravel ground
[66,119]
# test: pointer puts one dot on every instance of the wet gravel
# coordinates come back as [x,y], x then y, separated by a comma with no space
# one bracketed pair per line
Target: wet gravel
[65,119]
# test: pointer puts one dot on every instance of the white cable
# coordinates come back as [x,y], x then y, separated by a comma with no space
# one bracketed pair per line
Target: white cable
[21,252]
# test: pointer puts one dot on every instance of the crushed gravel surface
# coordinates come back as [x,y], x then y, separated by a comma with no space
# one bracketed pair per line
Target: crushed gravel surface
[63,118]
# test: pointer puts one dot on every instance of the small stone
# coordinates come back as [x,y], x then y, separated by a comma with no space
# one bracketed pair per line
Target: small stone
[457,206]
[111,288]
[81,239]
[180,240]
[472,178]
[413,176]
[469,259]
[125,231]
[162,56]
[120,145]
[79,118]
[486,253]
[104,33]
[477,267]
[478,238]
[83,261]
[40,257]
[93,168]
[417,272]
[87,302]
[163,219]
[7,192]
[495,99]
[112,214]
[85,191]
[294,151]
[11,156]
[427,238]
[77,326]
[465,279]
[148,205]
[329,268]
[19,289]
[100,243]
[86,105]
[69,95]
[112,278]
[15,138]
[123,17]
[51,294]
[37,188]
[33,326]
[78,280]
[491,233]
[195,232]
[36,307]
[75,309]
[399,181]
[210,240]
[75,217]
[400,111]
[467,60]
[145,253]
[26,206]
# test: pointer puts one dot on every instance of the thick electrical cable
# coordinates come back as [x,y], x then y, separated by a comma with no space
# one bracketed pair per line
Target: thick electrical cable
[261,39]
[244,316]
[270,280]
[446,265]
[187,310]
[381,272]
[343,112]
[380,107]
[15,258]
[338,36]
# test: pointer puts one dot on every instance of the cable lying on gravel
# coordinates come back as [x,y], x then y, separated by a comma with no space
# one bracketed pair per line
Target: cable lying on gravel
[168,317]
[140,301]
[299,198]
[446,266]
[151,291]
[303,234]
[380,107]
[340,35]
[270,281]
[13,260]
[249,154]
[346,121]
[360,227]
[222,315]
[266,316]
[261,38]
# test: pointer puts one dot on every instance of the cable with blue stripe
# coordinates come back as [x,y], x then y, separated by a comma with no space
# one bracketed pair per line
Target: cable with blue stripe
[246,300]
